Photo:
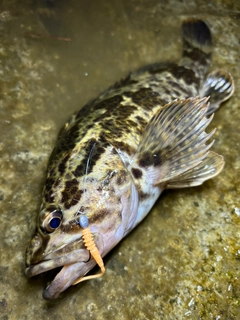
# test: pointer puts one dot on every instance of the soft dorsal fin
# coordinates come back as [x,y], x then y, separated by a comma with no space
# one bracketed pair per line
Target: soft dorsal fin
[174,142]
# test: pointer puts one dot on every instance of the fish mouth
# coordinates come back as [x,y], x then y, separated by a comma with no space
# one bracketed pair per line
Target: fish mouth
[74,266]
[49,264]
[67,277]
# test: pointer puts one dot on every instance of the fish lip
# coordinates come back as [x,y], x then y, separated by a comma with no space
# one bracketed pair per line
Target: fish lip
[80,255]
[74,266]
[36,258]
[68,275]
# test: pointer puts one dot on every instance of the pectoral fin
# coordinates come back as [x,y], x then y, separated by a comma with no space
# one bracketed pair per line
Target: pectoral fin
[174,144]
[219,85]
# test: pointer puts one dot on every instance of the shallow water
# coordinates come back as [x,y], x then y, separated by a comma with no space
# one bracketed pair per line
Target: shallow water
[183,260]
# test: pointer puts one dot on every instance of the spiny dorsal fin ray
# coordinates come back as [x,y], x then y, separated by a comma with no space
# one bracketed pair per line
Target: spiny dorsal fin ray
[174,141]
[219,85]
[206,169]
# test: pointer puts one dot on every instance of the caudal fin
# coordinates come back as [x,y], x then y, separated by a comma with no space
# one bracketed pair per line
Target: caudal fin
[197,45]
[219,85]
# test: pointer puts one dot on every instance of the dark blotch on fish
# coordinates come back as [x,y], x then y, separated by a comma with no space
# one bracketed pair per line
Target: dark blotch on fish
[148,159]
[71,184]
[179,72]
[145,97]
[99,215]
[122,177]
[142,195]
[137,173]
[112,103]
[141,121]
[71,194]
[96,149]
[62,165]
[49,183]
[79,171]
[124,146]
[49,197]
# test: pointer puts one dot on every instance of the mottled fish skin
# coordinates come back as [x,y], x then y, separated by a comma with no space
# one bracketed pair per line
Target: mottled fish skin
[116,155]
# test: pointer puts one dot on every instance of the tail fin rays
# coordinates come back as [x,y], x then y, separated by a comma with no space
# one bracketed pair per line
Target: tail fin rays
[197,45]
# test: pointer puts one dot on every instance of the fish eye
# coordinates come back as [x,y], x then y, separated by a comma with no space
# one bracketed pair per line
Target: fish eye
[54,223]
[52,218]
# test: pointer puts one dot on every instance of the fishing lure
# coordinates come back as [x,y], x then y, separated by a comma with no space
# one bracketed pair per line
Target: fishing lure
[91,247]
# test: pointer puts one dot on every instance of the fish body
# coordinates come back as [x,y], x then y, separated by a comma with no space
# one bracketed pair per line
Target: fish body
[116,155]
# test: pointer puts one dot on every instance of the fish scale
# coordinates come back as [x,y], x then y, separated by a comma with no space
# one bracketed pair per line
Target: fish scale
[116,155]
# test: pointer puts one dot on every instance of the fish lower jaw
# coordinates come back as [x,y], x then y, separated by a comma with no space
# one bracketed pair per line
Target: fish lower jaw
[81,255]
[67,276]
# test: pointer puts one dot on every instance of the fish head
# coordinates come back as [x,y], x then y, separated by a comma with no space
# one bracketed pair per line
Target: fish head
[54,246]
[57,242]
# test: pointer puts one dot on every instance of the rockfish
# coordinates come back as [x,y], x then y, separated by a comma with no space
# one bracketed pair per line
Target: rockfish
[117,154]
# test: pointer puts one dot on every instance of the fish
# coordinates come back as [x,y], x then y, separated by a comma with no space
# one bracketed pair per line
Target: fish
[119,152]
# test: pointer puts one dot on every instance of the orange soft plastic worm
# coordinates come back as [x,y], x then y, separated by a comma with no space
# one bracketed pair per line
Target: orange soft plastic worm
[90,245]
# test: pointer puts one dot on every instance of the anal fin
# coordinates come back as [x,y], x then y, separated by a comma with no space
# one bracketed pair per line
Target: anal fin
[219,85]
[207,169]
